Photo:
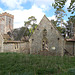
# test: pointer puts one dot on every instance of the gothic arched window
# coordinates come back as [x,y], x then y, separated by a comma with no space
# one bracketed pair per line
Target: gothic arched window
[44,40]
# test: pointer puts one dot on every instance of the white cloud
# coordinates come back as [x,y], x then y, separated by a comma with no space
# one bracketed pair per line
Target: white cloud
[67,3]
[1,10]
[13,3]
[22,15]
[52,18]
[44,4]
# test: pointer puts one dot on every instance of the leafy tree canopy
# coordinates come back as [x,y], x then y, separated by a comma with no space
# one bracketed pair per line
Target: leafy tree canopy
[60,4]
[60,13]
[71,8]
[31,23]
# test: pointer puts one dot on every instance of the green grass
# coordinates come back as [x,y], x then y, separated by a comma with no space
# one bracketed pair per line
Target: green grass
[22,64]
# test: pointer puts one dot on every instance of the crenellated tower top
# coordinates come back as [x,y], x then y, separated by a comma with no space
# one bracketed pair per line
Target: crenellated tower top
[7,14]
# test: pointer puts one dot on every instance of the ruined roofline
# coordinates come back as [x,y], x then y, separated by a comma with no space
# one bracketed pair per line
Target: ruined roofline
[54,27]
[11,41]
[7,14]
[49,22]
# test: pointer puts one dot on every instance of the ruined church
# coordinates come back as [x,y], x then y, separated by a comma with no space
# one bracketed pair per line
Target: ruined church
[45,40]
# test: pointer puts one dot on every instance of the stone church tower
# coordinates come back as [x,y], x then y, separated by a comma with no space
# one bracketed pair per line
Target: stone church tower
[6,22]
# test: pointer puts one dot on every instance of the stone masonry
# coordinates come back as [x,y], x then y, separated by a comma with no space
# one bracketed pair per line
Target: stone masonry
[1,43]
[46,38]
[6,22]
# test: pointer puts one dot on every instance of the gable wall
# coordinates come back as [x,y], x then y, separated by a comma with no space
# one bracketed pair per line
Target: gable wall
[52,36]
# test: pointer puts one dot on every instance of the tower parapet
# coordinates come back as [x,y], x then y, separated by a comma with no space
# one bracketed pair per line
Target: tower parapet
[7,14]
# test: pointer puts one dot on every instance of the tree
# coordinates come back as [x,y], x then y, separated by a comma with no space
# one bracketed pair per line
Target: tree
[24,31]
[61,3]
[17,34]
[54,22]
[32,19]
[71,8]
[59,28]
[71,26]
[58,5]
[60,13]
[31,23]
[72,20]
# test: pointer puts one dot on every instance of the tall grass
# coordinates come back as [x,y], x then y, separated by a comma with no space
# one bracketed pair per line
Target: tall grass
[22,64]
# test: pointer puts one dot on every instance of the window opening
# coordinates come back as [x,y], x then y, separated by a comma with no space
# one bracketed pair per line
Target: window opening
[44,40]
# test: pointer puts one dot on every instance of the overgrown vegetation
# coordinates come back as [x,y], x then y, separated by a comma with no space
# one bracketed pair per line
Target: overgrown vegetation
[21,64]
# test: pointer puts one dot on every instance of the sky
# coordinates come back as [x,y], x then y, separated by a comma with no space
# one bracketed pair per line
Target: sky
[22,9]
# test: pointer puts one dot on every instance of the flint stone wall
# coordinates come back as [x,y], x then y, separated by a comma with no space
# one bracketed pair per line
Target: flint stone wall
[55,40]
[16,47]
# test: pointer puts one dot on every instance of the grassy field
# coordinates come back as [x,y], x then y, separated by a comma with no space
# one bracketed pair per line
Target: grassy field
[21,64]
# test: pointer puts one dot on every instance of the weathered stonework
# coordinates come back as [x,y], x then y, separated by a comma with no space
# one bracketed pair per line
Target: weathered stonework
[55,41]
[46,40]
[1,43]
[6,22]
[16,46]
[70,47]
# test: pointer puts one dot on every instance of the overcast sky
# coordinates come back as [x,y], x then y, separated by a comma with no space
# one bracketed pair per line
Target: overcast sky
[22,9]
